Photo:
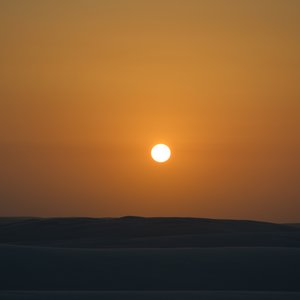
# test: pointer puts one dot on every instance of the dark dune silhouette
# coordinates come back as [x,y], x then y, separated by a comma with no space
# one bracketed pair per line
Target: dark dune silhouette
[195,269]
[150,295]
[148,258]
[135,232]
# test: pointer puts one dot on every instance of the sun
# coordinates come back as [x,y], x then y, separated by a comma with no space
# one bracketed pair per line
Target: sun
[161,153]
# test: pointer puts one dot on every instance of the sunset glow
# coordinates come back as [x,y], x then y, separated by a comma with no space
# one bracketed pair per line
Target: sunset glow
[88,88]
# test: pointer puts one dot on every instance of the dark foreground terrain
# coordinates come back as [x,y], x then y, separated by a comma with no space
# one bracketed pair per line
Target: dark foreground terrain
[137,232]
[141,258]
[150,295]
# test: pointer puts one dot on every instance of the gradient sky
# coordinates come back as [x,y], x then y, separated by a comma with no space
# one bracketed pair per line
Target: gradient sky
[88,87]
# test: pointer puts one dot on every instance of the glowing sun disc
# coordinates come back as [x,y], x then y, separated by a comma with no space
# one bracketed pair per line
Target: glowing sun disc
[161,153]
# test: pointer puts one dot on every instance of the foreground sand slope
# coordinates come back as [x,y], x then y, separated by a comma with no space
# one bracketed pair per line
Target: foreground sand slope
[248,269]
[207,295]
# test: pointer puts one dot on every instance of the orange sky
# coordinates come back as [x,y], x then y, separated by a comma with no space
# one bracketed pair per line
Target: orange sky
[87,87]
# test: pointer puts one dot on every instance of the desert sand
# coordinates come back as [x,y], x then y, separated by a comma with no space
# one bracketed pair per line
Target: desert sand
[137,258]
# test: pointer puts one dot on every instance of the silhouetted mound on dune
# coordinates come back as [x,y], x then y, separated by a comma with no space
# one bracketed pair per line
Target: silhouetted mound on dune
[138,232]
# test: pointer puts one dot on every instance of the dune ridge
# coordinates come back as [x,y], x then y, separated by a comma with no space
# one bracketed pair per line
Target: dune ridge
[139,232]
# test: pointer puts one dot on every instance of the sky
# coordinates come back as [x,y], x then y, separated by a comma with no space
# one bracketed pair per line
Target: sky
[88,87]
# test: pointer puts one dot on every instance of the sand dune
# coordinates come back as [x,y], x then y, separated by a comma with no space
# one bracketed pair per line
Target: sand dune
[148,258]
[248,269]
[130,232]
[193,295]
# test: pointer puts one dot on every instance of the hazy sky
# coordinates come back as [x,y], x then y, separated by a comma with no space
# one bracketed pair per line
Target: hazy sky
[88,87]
